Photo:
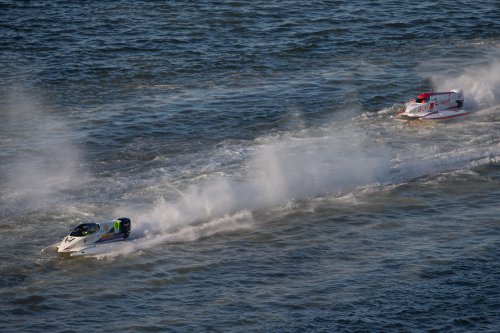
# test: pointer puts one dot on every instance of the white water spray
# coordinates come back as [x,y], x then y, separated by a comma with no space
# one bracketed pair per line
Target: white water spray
[278,171]
[39,158]
[481,85]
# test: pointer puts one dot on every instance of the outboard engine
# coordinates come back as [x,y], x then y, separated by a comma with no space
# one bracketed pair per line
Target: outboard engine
[459,97]
[125,225]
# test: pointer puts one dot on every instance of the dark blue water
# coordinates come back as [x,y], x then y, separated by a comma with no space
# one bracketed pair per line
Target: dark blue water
[253,146]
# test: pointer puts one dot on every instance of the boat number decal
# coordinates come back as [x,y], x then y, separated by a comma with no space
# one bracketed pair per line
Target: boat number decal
[117,226]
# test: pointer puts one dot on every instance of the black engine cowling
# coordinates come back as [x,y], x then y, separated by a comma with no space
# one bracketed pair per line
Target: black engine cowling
[125,225]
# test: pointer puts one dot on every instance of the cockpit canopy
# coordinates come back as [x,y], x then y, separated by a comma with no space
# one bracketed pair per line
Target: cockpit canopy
[85,229]
[422,100]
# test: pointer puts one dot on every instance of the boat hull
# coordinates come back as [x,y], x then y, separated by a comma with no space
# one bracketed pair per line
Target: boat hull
[435,106]
[436,115]
[86,237]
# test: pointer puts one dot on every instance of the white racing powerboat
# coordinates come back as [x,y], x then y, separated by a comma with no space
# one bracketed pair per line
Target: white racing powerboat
[87,236]
[435,106]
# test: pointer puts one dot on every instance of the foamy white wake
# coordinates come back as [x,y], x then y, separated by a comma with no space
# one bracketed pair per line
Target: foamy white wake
[278,171]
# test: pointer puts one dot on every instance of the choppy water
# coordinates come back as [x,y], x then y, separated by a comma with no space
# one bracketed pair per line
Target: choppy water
[253,147]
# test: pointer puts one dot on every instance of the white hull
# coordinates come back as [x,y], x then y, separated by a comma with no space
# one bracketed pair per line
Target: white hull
[436,115]
[96,250]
